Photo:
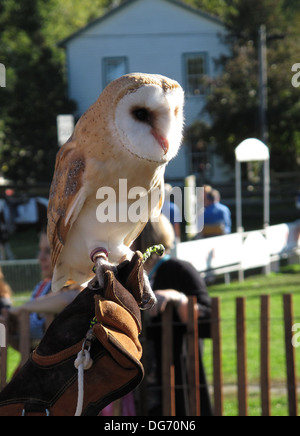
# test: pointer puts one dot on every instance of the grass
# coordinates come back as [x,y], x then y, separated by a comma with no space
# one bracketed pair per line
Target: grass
[285,282]
[279,405]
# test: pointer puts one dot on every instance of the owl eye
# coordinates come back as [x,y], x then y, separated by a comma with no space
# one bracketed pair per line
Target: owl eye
[142,114]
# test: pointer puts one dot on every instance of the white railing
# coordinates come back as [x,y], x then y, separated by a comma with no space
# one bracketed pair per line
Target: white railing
[22,275]
[242,251]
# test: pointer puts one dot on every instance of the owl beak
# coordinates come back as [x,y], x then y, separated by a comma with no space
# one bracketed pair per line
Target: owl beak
[163,142]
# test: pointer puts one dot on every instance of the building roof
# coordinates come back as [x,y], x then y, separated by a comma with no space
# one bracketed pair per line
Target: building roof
[123,5]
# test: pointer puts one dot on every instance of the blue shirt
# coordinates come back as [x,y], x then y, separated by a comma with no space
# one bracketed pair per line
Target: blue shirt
[36,322]
[218,213]
[172,212]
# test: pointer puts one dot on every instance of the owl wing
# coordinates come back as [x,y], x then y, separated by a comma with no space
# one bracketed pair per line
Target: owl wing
[155,212]
[67,197]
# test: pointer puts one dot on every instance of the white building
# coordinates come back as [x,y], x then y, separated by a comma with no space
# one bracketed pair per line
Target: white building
[152,36]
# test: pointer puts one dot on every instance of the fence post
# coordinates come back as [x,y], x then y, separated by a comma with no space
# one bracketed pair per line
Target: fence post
[265,355]
[168,369]
[290,355]
[217,356]
[3,352]
[242,356]
[193,358]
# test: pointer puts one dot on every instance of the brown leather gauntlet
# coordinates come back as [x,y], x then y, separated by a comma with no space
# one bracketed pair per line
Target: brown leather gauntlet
[48,382]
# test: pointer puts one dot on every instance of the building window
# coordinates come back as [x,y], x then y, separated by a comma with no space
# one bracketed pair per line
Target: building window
[113,68]
[196,67]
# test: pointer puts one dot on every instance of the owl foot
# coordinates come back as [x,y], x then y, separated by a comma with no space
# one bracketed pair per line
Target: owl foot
[100,259]
[149,298]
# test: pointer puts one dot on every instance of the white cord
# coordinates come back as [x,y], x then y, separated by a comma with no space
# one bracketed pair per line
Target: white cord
[82,363]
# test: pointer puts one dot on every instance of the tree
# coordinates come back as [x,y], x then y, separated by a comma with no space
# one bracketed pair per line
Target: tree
[218,8]
[36,86]
[233,99]
[35,94]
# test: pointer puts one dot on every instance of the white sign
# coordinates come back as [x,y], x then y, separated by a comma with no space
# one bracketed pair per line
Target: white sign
[252,150]
[65,128]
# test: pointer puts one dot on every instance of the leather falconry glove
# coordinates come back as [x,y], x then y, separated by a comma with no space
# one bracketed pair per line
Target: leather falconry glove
[48,382]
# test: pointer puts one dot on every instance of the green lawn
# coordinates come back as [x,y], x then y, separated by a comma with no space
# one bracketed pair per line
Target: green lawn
[288,281]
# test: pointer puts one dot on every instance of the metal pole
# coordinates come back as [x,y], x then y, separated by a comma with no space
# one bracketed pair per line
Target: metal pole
[238,190]
[263,83]
[267,204]
[266,193]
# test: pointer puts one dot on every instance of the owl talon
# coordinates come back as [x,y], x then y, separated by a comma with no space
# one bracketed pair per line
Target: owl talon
[148,301]
[100,272]
[148,298]
[100,259]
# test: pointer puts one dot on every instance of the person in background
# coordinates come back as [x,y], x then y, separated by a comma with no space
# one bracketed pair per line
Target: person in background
[172,212]
[5,293]
[37,323]
[173,280]
[217,216]
[42,299]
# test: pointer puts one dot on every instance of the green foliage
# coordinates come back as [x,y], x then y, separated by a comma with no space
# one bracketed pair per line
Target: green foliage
[233,100]
[36,87]
[63,18]
[218,8]
[35,94]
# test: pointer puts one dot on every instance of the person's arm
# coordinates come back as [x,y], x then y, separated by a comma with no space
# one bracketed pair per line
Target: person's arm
[187,281]
[228,222]
[180,301]
[52,303]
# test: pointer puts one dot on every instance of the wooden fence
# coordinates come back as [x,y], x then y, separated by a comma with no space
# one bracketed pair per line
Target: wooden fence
[168,370]
[241,347]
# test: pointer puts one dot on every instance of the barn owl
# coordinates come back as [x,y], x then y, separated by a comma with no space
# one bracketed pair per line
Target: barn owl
[130,133]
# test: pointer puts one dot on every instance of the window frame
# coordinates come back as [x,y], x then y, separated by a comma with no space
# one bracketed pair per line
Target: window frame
[105,61]
[186,56]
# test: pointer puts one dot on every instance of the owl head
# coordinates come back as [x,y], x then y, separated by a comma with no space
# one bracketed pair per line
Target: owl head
[147,115]
[138,114]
